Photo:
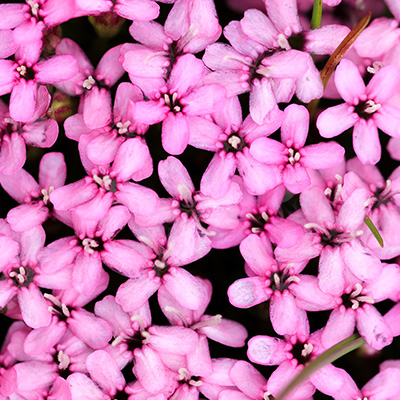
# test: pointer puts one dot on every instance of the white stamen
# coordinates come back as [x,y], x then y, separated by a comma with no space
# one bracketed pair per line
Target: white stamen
[277,280]
[20,278]
[46,195]
[215,320]
[22,270]
[65,310]
[177,313]
[184,374]
[146,336]
[315,226]
[34,7]
[89,82]
[355,304]
[291,279]
[371,107]
[195,383]
[12,274]
[308,348]
[265,71]
[167,100]
[22,70]
[376,66]
[266,395]
[174,97]
[145,240]
[63,360]
[358,290]
[366,299]
[139,319]
[256,230]
[117,340]
[283,42]
[234,141]
[186,194]
[265,216]
[53,299]
[176,109]
[104,182]
[123,127]
[89,245]
[160,264]
[387,189]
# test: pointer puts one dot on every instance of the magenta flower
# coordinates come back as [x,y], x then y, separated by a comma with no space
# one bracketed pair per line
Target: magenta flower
[23,77]
[366,109]
[178,101]
[14,136]
[291,156]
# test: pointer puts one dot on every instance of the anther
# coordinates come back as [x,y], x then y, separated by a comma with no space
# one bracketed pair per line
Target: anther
[234,141]
[123,127]
[89,82]
[371,107]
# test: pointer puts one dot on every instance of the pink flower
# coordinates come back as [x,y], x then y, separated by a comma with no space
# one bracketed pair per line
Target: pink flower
[291,156]
[179,101]
[366,109]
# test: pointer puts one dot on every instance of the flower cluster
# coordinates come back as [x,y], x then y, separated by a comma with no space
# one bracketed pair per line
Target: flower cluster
[198,174]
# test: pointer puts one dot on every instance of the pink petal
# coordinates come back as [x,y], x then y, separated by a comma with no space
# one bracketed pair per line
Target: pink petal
[83,388]
[12,154]
[56,69]
[104,370]
[295,125]
[175,133]
[138,199]
[185,75]
[109,70]
[27,216]
[34,308]
[172,174]
[130,158]
[268,151]
[331,271]
[247,292]
[204,100]
[97,108]
[366,141]
[86,273]
[187,289]
[349,82]
[335,120]
[373,328]
[256,254]
[23,100]
[217,177]
[143,287]
[94,331]
[322,155]
[262,100]
[248,379]
[52,170]
[266,350]
[284,313]
[139,10]
[296,178]
[41,133]
[150,370]
[126,260]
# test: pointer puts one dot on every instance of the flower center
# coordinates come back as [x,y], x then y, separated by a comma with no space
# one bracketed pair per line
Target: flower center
[234,143]
[21,276]
[34,8]
[293,156]
[302,352]
[89,82]
[365,109]
[282,278]
[172,102]
[356,299]
[186,377]
[91,245]
[105,182]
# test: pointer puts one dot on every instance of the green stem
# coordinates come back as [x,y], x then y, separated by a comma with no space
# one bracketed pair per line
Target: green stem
[374,231]
[338,350]
[316,14]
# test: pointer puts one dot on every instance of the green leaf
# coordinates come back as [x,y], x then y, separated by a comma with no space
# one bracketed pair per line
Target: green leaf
[316,14]
[338,350]
[374,231]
